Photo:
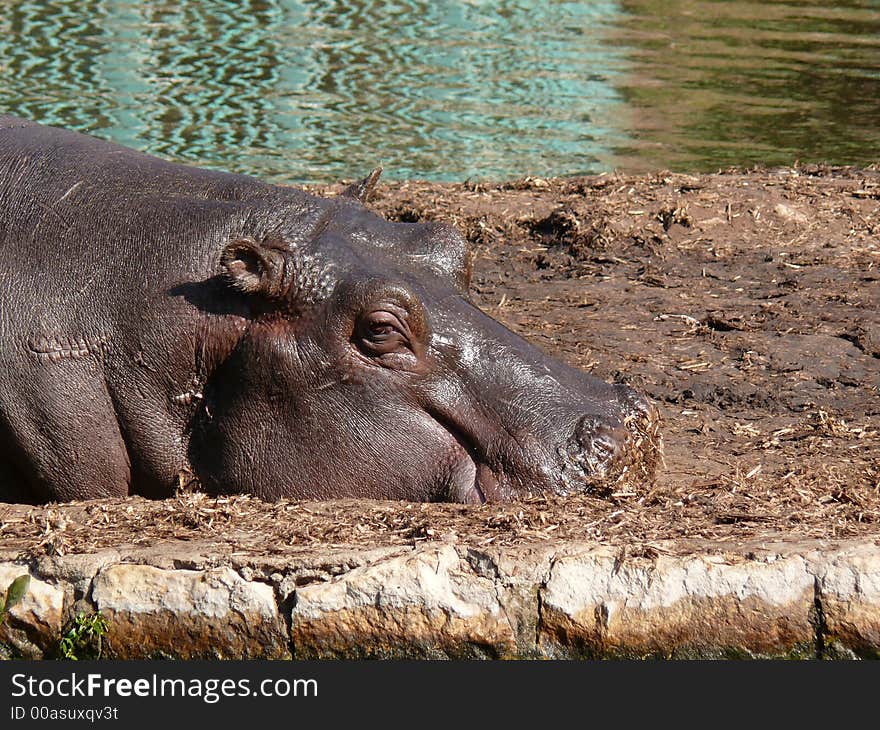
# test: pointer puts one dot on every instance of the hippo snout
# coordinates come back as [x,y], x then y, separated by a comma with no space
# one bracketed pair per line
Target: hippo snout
[605,450]
[596,444]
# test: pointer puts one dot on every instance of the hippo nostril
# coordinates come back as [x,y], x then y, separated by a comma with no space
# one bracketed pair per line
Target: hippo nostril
[595,434]
[595,446]
[606,444]
[584,430]
[604,450]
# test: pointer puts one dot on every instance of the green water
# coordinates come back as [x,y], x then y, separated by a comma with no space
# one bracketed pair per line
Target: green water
[312,91]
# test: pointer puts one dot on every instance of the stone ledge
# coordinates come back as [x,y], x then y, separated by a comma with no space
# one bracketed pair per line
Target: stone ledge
[187,614]
[445,598]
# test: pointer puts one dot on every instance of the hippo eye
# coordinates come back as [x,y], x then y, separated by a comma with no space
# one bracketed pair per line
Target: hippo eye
[382,331]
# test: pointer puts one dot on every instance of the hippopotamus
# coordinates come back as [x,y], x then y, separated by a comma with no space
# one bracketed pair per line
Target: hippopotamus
[161,322]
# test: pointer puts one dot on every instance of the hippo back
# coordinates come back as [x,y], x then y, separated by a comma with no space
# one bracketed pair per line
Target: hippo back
[87,223]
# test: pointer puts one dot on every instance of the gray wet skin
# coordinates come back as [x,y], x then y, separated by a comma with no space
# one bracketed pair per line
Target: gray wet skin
[159,319]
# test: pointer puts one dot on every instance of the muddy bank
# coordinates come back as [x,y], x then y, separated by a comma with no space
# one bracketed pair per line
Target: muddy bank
[746,304]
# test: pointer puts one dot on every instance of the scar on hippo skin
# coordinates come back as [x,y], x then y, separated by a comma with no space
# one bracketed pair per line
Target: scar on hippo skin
[67,347]
[276,271]
[188,398]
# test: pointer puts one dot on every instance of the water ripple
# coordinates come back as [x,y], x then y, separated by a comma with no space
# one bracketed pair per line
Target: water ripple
[312,90]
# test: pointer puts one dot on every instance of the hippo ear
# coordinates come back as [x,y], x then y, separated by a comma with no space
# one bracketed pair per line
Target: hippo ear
[442,248]
[362,189]
[254,268]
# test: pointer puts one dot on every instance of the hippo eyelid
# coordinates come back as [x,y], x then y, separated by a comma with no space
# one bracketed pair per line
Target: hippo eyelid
[386,318]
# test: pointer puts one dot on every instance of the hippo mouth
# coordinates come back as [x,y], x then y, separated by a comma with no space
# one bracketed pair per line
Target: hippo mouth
[473,483]
[470,480]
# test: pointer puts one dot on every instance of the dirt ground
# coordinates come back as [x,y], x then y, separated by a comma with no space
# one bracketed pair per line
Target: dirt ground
[745,303]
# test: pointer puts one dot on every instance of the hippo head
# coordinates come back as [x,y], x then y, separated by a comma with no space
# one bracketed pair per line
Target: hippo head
[364,370]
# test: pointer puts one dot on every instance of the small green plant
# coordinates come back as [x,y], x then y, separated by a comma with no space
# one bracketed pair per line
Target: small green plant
[14,593]
[84,637]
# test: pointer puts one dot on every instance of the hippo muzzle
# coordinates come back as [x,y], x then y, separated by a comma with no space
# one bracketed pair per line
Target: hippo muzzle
[524,423]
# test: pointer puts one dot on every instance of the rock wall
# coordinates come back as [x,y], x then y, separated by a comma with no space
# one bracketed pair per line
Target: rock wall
[448,599]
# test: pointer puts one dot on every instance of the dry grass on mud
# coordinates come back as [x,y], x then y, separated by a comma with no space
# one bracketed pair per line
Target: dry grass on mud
[746,304]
